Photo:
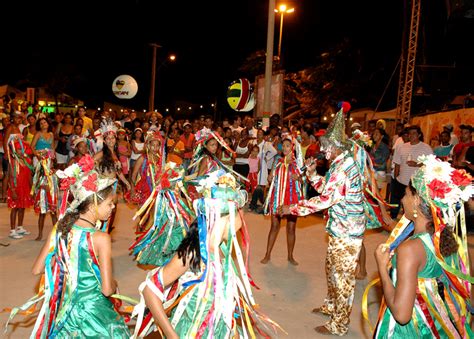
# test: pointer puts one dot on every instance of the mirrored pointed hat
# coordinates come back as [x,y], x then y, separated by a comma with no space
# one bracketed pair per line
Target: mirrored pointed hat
[335,137]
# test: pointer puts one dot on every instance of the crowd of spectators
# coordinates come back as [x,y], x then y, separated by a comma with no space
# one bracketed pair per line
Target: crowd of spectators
[256,149]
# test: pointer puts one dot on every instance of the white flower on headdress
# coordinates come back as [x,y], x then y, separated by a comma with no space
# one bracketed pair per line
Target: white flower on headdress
[72,171]
[436,169]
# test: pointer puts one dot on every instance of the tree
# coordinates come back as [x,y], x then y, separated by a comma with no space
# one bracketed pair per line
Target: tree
[314,91]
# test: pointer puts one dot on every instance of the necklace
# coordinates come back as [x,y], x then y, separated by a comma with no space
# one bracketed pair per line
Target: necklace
[87,221]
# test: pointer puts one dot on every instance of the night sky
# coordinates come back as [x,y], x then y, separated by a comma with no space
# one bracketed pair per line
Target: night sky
[101,44]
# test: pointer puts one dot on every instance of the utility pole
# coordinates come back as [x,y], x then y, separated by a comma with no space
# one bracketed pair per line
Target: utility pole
[151,102]
[267,94]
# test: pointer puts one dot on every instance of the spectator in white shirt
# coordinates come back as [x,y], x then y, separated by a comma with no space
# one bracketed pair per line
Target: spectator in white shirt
[405,160]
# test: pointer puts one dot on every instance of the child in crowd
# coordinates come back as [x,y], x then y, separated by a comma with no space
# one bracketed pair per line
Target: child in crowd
[77,133]
[254,168]
[124,150]
[175,147]
[138,146]
[226,156]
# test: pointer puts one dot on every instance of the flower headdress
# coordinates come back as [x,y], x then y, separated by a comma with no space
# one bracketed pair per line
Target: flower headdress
[82,180]
[154,135]
[206,134]
[107,127]
[76,140]
[442,186]
[361,138]
[222,186]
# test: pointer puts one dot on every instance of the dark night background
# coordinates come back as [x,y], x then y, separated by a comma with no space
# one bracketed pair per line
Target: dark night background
[211,39]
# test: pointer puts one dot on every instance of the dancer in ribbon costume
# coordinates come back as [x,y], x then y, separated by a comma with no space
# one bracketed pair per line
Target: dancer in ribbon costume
[20,164]
[426,281]
[205,289]
[147,169]
[205,158]
[285,189]
[76,263]
[108,164]
[45,188]
[343,192]
[165,217]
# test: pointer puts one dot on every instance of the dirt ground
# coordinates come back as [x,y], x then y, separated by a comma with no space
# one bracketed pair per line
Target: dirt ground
[286,293]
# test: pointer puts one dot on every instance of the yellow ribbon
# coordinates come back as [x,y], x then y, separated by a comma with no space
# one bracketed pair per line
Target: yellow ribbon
[365,305]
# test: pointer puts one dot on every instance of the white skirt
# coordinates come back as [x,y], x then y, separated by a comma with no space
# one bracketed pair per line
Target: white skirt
[61,158]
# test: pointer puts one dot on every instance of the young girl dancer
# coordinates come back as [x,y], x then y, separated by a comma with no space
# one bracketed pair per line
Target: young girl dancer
[124,151]
[164,209]
[108,163]
[285,189]
[76,263]
[254,168]
[205,287]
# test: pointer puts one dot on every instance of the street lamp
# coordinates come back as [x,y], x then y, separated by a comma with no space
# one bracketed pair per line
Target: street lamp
[282,9]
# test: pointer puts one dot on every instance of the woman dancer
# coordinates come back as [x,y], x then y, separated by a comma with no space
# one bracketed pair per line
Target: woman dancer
[427,284]
[20,164]
[45,185]
[76,264]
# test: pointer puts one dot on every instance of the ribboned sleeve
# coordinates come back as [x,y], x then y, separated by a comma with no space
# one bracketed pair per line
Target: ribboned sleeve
[317,181]
[332,193]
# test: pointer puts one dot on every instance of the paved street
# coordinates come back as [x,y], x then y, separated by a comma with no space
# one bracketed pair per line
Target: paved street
[287,293]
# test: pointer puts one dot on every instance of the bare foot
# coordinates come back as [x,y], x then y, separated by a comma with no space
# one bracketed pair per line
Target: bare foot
[293,261]
[265,260]
[322,330]
[318,310]
[39,237]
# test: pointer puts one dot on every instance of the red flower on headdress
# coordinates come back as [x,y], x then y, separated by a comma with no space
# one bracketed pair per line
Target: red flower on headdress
[165,183]
[90,183]
[438,188]
[461,178]
[86,163]
[66,182]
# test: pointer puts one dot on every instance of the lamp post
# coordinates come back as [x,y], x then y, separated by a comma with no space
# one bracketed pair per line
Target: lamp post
[154,69]
[282,9]
[267,103]
[151,101]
